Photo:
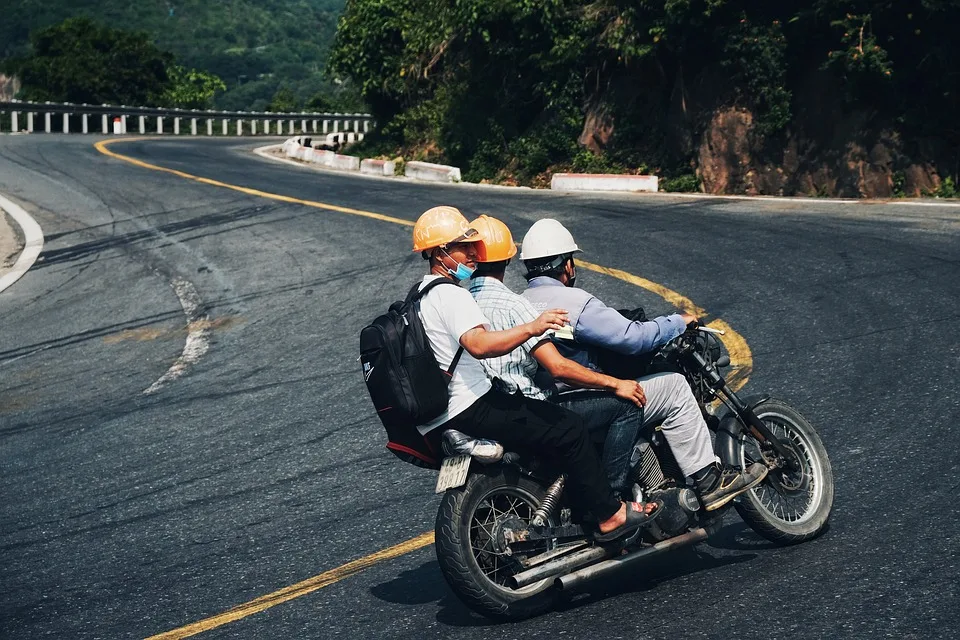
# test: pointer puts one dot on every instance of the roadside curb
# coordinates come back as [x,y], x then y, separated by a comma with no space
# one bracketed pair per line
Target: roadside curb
[264,153]
[431,172]
[33,242]
[603,182]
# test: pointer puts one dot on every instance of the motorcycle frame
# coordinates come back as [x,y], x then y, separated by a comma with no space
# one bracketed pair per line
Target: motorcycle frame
[745,418]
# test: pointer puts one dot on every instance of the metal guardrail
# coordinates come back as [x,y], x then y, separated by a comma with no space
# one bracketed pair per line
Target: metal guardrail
[114,119]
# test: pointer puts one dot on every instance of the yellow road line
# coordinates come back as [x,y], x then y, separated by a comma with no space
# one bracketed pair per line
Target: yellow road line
[300,589]
[740,358]
[102,148]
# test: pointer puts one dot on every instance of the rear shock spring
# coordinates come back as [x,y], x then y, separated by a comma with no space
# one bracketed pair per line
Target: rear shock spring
[542,515]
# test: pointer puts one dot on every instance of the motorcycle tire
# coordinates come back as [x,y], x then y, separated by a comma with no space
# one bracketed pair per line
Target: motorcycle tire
[460,563]
[790,507]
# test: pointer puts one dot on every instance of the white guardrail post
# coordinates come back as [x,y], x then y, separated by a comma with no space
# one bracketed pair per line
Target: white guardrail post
[115,119]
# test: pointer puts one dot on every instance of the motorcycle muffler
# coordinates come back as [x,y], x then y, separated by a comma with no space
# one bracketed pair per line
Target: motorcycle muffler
[578,578]
[557,566]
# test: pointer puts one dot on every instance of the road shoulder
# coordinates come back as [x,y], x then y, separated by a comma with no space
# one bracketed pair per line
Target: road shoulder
[11,242]
[21,240]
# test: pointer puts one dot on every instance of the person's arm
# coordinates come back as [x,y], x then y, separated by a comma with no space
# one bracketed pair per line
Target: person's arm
[481,343]
[602,326]
[576,375]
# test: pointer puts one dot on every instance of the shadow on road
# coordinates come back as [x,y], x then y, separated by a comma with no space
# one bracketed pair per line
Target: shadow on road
[425,584]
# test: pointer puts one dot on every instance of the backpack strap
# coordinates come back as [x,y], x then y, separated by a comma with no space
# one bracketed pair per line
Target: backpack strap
[456,359]
[416,293]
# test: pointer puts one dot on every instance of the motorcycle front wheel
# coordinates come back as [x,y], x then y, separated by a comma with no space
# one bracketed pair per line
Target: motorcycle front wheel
[469,559]
[791,505]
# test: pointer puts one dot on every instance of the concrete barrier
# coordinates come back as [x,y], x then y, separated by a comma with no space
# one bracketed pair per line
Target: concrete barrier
[432,172]
[603,182]
[322,157]
[342,137]
[378,167]
[345,163]
[290,147]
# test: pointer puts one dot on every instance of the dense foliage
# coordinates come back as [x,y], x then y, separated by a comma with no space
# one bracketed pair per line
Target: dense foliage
[254,46]
[506,85]
[82,62]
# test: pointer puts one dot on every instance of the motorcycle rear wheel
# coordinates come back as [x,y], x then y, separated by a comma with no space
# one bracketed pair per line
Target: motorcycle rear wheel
[468,561]
[788,507]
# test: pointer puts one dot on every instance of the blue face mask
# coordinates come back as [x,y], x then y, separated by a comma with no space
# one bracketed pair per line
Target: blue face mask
[463,272]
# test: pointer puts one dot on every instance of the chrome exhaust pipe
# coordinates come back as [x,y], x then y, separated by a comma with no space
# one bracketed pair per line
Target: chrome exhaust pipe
[564,564]
[576,579]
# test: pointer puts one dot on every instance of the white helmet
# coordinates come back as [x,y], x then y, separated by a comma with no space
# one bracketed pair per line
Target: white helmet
[547,238]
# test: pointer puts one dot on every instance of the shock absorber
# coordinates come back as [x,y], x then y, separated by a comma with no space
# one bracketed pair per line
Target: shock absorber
[542,515]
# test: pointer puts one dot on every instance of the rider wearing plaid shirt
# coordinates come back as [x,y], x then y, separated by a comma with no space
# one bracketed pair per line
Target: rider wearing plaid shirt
[611,408]
[517,370]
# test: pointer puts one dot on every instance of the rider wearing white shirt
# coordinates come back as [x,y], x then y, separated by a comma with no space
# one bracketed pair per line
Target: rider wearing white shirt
[445,312]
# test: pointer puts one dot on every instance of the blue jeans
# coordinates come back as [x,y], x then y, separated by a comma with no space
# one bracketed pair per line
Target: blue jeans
[610,420]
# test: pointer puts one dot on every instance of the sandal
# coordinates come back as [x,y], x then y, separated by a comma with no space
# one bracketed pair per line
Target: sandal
[636,518]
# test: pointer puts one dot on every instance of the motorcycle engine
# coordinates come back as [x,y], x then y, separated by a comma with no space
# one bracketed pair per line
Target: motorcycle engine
[652,483]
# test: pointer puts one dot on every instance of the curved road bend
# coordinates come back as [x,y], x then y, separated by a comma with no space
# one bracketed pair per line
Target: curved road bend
[126,514]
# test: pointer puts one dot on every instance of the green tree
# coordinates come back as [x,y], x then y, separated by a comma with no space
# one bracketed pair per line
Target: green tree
[284,101]
[495,84]
[191,88]
[81,61]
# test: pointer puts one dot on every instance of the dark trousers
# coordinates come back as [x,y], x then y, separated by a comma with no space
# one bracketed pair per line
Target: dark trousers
[548,431]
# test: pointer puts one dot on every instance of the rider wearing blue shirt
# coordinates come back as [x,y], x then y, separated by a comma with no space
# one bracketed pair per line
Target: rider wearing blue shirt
[548,250]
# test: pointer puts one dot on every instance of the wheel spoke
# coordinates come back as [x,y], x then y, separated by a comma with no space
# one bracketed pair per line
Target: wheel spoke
[775,496]
[492,509]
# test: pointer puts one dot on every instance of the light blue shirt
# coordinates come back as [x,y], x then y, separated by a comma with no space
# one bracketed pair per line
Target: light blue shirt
[599,325]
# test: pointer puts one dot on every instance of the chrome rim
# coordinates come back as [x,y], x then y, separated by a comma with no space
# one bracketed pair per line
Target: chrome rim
[494,506]
[790,497]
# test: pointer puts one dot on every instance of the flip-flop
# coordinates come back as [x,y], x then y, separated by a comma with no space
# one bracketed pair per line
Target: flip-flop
[635,520]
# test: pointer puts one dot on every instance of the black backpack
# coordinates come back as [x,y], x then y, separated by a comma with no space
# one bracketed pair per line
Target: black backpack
[407,386]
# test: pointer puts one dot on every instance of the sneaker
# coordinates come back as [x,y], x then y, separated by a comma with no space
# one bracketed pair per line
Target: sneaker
[716,487]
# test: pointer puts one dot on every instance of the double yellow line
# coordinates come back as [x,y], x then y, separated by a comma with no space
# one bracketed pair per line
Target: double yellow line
[740,358]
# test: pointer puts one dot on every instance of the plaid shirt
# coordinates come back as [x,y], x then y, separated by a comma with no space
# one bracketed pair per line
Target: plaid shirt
[505,310]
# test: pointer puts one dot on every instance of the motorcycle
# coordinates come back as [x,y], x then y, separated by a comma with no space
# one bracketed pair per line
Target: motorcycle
[506,541]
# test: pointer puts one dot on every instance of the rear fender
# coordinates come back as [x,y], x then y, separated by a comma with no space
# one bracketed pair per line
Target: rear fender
[728,431]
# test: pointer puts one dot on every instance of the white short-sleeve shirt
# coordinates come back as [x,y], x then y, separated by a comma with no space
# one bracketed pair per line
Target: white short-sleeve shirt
[447,313]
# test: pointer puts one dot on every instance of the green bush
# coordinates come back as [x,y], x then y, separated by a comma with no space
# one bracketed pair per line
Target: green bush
[686,183]
[586,161]
[947,189]
[899,182]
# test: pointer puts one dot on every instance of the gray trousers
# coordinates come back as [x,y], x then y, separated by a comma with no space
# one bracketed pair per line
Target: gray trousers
[670,403]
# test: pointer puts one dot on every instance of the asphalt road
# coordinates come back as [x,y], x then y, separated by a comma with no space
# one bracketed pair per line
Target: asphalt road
[124,514]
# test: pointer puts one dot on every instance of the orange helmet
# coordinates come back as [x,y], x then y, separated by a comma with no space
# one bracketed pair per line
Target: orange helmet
[439,226]
[496,241]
